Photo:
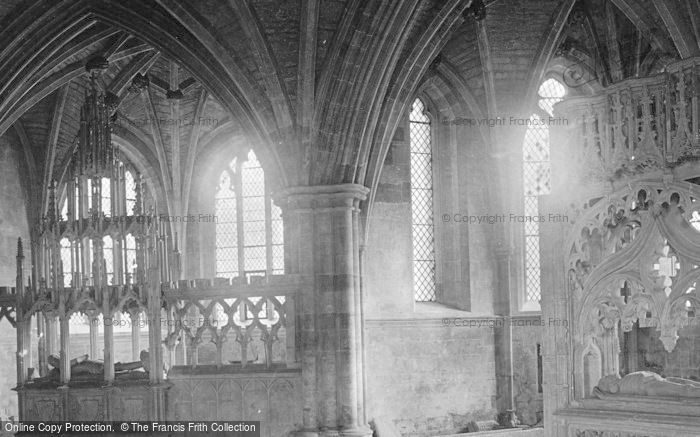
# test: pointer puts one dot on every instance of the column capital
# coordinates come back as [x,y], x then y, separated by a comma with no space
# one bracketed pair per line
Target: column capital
[320,197]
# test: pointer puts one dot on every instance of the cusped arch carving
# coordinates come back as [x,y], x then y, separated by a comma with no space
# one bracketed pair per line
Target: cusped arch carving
[649,246]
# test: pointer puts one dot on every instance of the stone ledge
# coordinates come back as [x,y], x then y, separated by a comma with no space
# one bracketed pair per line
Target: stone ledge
[518,432]
[211,371]
[643,404]
[659,424]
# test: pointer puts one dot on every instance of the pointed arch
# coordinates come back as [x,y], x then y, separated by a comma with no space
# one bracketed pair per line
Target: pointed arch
[171,27]
[537,182]
[248,229]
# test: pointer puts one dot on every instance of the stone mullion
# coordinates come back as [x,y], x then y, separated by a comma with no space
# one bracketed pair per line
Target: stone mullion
[240,232]
[290,262]
[268,234]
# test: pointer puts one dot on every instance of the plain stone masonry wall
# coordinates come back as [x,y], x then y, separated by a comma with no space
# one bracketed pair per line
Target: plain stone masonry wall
[526,337]
[683,362]
[428,378]
[388,264]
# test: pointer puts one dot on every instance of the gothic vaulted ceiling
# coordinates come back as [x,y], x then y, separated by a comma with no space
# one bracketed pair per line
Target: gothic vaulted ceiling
[318,86]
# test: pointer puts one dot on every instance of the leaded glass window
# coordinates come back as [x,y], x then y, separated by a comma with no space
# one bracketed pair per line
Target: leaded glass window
[67,261]
[537,180]
[108,249]
[249,235]
[129,191]
[130,266]
[422,204]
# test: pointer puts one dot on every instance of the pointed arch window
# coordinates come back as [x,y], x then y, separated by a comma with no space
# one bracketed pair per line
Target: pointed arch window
[537,180]
[249,234]
[423,232]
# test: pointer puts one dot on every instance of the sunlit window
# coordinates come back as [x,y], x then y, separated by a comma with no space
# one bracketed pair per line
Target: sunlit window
[108,249]
[123,250]
[537,180]
[249,235]
[422,204]
[130,252]
[67,262]
[129,192]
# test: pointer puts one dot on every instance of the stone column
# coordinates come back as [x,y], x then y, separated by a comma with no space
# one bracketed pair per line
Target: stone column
[93,320]
[43,368]
[556,372]
[108,357]
[155,340]
[557,340]
[323,232]
[51,325]
[135,335]
[503,335]
[64,327]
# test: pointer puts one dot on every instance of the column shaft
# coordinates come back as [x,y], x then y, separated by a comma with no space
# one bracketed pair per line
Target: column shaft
[324,241]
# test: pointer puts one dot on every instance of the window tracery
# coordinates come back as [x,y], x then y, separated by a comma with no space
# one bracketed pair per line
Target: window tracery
[536,181]
[249,232]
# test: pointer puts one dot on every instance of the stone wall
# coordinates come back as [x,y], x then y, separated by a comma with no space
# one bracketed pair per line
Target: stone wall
[388,263]
[527,335]
[682,362]
[428,378]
